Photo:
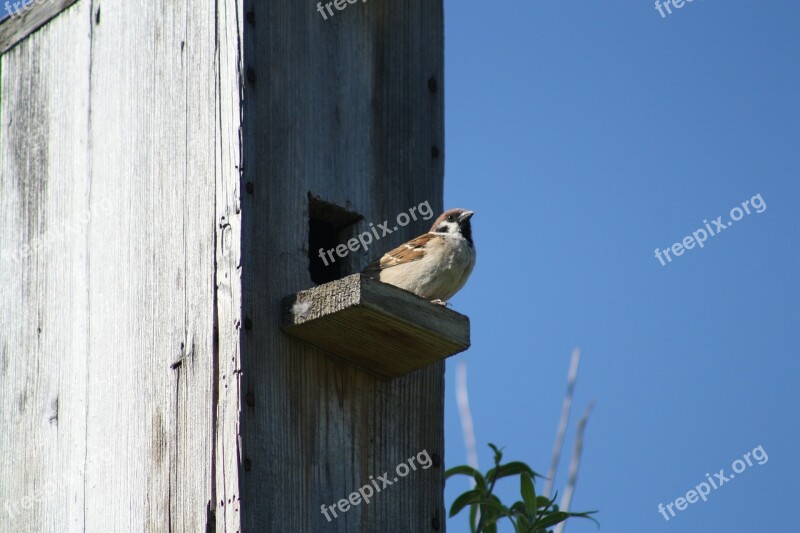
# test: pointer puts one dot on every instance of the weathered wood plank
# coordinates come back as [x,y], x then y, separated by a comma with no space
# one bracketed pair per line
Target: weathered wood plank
[228,455]
[152,353]
[28,19]
[45,216]
[377,326]
[342,109]
[138,373]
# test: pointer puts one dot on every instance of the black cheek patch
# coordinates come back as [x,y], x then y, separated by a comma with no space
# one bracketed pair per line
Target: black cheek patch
[466,231]
[444,228]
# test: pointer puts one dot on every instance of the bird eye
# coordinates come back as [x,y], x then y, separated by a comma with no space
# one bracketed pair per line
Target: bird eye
[451,218]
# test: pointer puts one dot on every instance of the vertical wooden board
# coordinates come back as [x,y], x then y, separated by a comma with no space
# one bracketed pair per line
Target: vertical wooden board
[44,220]
[228,304]
[152,358]
[342,109]
[192,474]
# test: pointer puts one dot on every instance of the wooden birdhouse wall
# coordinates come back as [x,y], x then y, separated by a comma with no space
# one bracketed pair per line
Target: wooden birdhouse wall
[165,168]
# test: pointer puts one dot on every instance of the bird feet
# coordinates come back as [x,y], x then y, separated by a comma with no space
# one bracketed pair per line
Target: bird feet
[437,301]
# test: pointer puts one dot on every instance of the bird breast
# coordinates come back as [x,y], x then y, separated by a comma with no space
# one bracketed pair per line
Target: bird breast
[440,274]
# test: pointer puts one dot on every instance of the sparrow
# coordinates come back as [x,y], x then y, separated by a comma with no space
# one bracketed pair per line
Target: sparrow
[434,265]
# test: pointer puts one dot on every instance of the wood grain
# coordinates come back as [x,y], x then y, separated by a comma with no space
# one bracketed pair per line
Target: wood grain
[118,124]
[44,216]
[28,19]
[376,326]
[145,384]
[341,109]
[227,409]
[152,379]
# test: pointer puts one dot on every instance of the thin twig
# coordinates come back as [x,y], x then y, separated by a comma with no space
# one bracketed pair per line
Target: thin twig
[574,466]
[462,399]
[562,423]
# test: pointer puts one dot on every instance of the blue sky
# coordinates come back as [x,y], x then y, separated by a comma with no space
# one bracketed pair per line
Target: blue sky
[584,135]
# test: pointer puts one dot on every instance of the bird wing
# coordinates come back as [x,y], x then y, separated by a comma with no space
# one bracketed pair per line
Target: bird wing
[413,250]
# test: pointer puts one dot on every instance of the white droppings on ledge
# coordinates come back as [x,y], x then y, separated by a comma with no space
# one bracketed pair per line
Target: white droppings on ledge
[300,308]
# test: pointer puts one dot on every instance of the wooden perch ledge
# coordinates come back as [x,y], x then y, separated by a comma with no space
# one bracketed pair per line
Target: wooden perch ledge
[374,325]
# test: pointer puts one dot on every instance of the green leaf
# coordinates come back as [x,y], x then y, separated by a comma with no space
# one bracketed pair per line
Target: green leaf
[498,453]
[518,508]
[492,510]
[466,470]
[528,493]
[543,502]
[473,518]
[533,514]
[511,469]
[552,519]
[467,498]
[498,509]
[585,515]
[489,522]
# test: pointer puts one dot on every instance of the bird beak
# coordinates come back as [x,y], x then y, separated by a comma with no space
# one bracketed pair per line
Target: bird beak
[466,215]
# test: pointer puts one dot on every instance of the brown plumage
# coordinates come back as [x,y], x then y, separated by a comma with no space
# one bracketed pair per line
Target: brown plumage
[434,265]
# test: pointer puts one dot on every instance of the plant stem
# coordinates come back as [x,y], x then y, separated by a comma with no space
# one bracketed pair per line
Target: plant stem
[488,495]
[562,423]
[574,466]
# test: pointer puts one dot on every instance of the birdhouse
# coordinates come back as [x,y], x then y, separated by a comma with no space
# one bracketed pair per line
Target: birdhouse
[168,172]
